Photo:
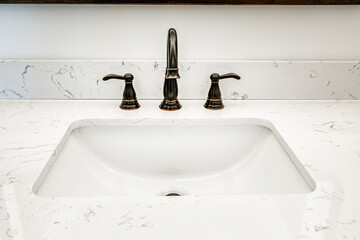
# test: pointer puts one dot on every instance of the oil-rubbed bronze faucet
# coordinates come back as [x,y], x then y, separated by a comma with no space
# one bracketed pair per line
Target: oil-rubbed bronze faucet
[170,102]
[129,101]
[214,101]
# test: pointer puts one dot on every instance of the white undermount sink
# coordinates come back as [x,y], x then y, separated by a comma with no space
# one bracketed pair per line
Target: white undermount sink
[155,157]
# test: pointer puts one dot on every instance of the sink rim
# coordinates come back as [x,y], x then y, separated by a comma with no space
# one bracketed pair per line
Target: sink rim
[92,122]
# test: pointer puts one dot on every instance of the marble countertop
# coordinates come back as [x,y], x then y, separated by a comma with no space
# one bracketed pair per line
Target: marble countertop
[324,135]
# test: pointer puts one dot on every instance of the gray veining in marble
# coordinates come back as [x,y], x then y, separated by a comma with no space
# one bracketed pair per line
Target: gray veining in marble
[81,79]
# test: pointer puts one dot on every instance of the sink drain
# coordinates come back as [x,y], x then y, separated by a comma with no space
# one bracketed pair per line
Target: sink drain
[172,195]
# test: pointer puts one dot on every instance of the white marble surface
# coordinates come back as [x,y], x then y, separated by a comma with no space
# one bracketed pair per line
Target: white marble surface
[81,79]
[324,135]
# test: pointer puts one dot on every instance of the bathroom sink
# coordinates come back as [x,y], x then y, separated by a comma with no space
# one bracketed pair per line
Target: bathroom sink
[158,157]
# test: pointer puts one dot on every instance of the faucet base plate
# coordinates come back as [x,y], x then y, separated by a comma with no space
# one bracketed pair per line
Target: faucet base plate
[214,104]
[132,104]
[170,105]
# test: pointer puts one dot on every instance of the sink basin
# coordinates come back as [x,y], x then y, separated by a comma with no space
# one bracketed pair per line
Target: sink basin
[157,157]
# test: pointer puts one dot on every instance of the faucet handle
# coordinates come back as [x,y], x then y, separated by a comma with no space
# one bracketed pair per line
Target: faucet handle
[129,101]
[214,101]
[127,77]
[216,76]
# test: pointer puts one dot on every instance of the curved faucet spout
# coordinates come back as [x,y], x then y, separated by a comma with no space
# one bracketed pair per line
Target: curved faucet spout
[172,70]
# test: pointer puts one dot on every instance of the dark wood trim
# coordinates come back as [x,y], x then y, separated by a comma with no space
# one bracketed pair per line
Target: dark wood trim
[188,2]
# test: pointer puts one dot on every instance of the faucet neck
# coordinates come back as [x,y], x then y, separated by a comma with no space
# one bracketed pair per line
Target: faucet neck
[172,69]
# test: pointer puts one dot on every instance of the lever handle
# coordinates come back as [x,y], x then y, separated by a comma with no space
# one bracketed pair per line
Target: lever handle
[129,101]
[126,77]
[216,76]
[214,100]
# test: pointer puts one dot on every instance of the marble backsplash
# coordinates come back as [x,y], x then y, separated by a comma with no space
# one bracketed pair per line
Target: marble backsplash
[82,79]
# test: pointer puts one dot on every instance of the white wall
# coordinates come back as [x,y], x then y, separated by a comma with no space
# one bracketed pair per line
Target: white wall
[205,32]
